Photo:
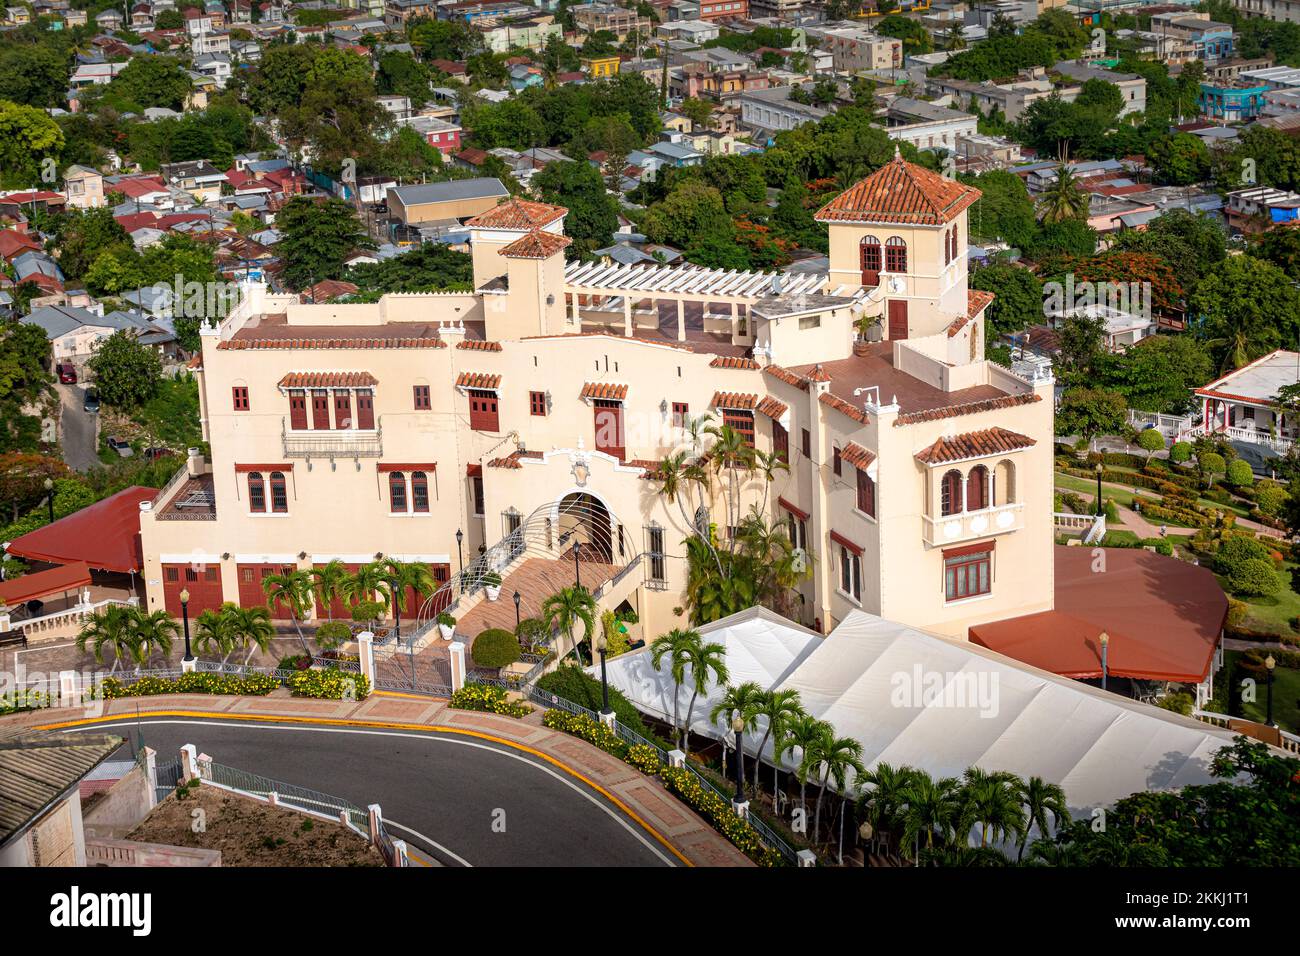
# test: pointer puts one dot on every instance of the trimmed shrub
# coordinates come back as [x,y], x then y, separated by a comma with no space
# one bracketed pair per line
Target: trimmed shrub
[255,685]
[365,611]
[1212,464]
[488,700]
[1271,498]
[495,647]
[1238,549]
[1239,474]
[333,634]
[1254,578]
[294,662]
[1180,453]
[446,620]
[330,684]
[1151,440]
[532,632]
[1180,703]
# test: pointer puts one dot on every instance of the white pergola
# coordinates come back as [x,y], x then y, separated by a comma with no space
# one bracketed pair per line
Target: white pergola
[681,284]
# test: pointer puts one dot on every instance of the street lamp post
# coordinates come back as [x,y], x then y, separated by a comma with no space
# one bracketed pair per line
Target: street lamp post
[397,609]
[460,559]
[1269,664]
[577,574]
[49,497]
[187,662]
[516,613]
[1100,469]
[738,728]
[866,833]
[602,648]
[1105,650]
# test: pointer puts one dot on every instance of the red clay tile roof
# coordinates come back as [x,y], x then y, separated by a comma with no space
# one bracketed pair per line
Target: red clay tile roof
[819,374]
[332,343]
[770,407]
[328,380]
[967,408]
[652,468]
[734,400]
[900,192]
[513,459]
[990,441]
[785,375]
[536,245]
[478,345]
[326,290]
[518,213]
[605,390]
[857,456]
[840,405]
[477,380]
[977,300]
[733,361]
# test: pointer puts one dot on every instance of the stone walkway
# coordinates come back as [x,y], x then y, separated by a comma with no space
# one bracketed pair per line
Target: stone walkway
[640,797]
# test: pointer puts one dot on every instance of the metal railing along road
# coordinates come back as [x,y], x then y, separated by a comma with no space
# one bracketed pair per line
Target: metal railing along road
[288,794]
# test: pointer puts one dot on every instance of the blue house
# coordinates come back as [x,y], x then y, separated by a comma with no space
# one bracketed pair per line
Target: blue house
[1231,103]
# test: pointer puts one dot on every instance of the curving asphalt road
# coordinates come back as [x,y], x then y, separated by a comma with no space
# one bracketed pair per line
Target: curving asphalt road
[443,793]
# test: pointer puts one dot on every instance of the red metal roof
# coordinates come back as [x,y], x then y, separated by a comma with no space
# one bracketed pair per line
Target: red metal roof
[105,535]
[38,585]
[1163,617]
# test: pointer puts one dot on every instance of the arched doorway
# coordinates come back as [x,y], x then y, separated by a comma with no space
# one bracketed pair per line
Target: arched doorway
[583,519]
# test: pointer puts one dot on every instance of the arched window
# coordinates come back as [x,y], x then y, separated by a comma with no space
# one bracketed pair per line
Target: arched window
[895,255]
[947,247]
[419,491]
[870,253]
[950,493]
[1004,483]
[396,491]
[256,492]
[977,488]
[954,242]
[279,494]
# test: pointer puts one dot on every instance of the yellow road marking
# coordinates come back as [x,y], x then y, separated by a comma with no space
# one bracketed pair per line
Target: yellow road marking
[387,725]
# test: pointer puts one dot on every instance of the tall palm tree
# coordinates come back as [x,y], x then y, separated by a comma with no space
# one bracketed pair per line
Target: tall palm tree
[767,464]
[882,799]
[249,627]
[932,808]
[367,583]
[292,590]
[779,707]
[1063,199]
[154,633]
[1038,798]
[566,609]
[743,701]
[990,801]
[733,457]
[414,577]
[956,39]
[329,581]
[832,757]
[109,628]
[212,630]
[707,663]
[802,732]
[673,647]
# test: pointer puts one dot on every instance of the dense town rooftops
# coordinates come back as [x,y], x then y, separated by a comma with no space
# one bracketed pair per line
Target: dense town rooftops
[900,192]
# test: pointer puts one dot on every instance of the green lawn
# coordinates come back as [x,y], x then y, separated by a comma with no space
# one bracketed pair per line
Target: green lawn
[1286,696]
[1272,614]
[171,417]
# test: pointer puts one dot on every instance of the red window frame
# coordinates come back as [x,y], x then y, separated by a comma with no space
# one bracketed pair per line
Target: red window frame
[279,493]
[476,487]
[866,494]
[895,255]
[805,443]
[977,488]
[421,398]
[256,493]
[837,461]
[537,404]
[968,573]
[419,492]
[239,397]
[681,411]
[483,410]
[397,492]
[950,502]
[742,420]
[870,254]
[607,419]
[780,441]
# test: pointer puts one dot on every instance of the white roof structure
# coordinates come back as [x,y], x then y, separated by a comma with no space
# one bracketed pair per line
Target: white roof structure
[916,699]
[686,281]
[1259,382]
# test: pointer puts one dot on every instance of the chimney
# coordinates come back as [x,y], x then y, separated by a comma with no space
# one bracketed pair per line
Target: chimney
[194,463]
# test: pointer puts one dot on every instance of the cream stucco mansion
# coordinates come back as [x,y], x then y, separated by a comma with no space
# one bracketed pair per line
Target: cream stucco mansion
[530,415]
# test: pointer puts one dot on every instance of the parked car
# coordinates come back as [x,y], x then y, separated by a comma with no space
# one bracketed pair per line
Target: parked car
[154,452]
[91,404]
[121,446]
[67,373]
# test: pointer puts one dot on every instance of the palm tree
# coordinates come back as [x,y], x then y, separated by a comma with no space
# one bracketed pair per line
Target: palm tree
[212,629]
[1038,798]
[779,707]
[882,798]
[367,583]
[249,627]
[1063,199]
[292,590]
[731,455]
[834,757]
[707,662]
[673,646]
[154,633]
[329,585]
[956,39]
[108,628]
[415,577]
[932,808]
[801,731]
[742,700]
[991,801]
[566,609]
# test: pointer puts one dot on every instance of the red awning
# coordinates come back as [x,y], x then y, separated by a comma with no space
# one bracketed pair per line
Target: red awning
[1163,617]
[105,535]
[54,581]
[852,546]
[793,509]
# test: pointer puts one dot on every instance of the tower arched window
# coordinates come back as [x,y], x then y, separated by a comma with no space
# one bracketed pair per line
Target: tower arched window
[396,491]
[895,254]
[977,488]
[419,491]
[279,493]
[950,493]
[870,254]
[256,492]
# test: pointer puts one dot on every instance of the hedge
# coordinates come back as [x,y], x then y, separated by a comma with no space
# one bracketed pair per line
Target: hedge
[679,781]
[488,700]
[495,648]
[24,700]
[569,682]
[330,684]
[333,634]
[254,685]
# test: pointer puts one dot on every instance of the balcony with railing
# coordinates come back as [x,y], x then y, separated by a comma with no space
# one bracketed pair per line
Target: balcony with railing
[332,443]
[969,525]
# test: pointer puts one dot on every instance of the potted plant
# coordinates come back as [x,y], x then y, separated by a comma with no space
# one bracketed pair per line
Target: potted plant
[491,581]
[446,626]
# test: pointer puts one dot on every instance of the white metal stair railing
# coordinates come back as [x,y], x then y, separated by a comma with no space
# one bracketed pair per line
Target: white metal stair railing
[1097,531]
[71,615]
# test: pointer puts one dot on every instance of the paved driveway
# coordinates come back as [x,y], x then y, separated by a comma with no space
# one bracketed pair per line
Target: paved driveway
[78,429]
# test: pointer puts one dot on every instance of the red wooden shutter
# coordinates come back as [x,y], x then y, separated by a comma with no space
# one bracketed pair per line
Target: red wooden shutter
[320,409]
[483,411]
[298,410]
[609,428]
[343,410]
[365,408]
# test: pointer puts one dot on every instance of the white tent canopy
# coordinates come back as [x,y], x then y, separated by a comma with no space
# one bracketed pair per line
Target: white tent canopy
[916,699]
